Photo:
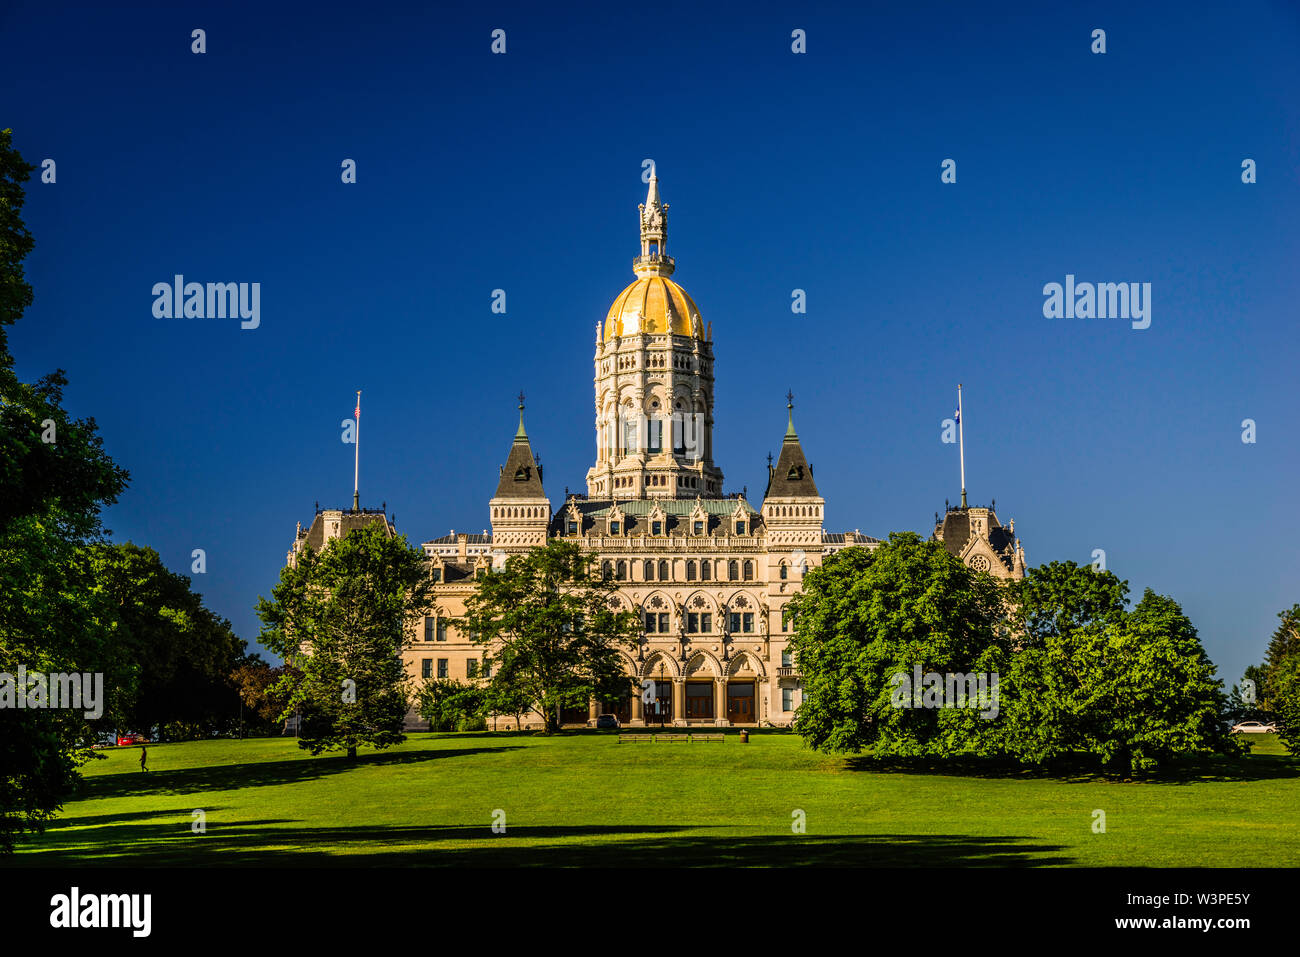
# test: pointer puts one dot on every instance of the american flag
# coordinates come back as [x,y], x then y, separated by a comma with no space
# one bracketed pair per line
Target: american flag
[956,415]
[357,413]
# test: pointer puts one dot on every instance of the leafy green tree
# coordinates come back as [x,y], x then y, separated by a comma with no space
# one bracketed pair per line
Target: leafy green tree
[1131,690]
[450,705]
[55,479]
[1061,706]
[1060,598]
[503,697]
[1166,700]
[180,654]
[342,616]
[554,629]
[866,619]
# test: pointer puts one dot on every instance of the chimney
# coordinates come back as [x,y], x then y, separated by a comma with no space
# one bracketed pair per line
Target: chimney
[462,543]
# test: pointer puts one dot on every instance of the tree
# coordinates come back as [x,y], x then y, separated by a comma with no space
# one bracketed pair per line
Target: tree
[506,698]
[1060,598]
[866,621]
[55,479]
[1285,680]
[450,705]
[1166,701]
[342,616]
[554,629]
[1282,677]
[1255,706]
[1061,705]
[1078,675]
[178,652]
[261,694]
[1130,689]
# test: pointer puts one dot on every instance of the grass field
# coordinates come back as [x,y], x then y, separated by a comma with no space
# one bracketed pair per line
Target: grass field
[584,799]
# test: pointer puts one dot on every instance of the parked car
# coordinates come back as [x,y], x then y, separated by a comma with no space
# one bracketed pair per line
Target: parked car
[132,738]
[607,721]
[1254,727]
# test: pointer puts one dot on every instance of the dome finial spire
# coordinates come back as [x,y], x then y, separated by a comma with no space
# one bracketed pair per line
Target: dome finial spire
[789,405]
[653,261]
[521,434]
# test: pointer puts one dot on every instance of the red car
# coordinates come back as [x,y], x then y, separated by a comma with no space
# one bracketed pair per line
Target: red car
[131,739]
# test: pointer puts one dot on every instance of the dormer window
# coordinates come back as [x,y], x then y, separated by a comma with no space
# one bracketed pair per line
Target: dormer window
[521,473]
[740,528]
[573,527]
[795,473]
[436,574]
[656,528]
[699,528]
[613,528]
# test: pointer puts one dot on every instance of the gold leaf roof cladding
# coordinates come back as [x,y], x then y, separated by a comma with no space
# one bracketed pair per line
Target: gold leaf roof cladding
[654,305]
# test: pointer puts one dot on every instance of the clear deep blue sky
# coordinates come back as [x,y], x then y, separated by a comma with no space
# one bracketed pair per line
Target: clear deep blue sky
[820,172]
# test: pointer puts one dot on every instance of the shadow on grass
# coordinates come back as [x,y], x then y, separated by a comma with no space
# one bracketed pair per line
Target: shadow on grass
[1193,770]
[245,845]
[268,773]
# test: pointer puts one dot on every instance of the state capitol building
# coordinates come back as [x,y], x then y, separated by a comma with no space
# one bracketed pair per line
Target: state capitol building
[707,572]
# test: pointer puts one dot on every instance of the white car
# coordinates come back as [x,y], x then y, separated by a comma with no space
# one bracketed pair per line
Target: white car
[1254,727]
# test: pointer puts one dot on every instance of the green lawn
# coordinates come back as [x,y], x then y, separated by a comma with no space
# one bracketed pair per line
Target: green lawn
[582,798]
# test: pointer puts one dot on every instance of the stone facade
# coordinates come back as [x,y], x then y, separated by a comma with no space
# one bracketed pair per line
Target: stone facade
[708,573]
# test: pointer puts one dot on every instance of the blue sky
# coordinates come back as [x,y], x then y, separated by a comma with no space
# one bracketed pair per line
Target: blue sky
[818,171]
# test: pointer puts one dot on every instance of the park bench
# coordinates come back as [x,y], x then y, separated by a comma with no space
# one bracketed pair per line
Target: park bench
[708,737]
[636,738]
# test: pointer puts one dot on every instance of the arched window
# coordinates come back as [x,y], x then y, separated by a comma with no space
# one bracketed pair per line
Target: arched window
[690,571]
[649,571]
[803,569]
[629,431]
[663,571]
[621,573]
[606,570]
[733,570]
[785,571]
[749,571]
[706,570]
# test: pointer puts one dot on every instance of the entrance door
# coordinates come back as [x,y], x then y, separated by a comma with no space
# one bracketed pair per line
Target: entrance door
[740,702]
[699,699]
[659,711]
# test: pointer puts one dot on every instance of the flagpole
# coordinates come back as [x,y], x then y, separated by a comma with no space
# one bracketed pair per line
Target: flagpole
[356,468]
[961,444]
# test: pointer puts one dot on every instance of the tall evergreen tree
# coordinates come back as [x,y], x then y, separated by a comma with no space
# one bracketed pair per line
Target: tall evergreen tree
[1282,677]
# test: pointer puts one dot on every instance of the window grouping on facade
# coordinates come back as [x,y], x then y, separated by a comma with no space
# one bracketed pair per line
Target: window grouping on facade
[662,570]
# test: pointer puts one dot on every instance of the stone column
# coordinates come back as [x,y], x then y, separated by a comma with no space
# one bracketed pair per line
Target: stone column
[679,702]
[720,702]
[638,709]
[593,709]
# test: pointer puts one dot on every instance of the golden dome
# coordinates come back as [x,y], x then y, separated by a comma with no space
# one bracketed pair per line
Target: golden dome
[654,305]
